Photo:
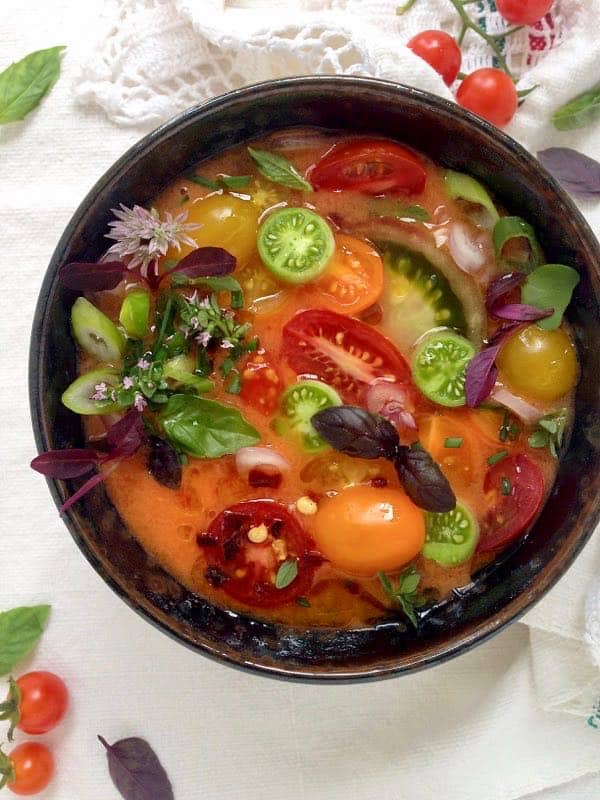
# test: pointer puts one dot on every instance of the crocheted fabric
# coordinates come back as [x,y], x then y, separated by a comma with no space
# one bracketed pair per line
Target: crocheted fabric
[158,57]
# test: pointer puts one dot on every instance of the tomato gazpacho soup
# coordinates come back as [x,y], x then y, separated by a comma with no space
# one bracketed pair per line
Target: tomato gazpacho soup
[324,379]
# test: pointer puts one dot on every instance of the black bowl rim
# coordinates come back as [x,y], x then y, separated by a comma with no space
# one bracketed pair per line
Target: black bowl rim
[517,606]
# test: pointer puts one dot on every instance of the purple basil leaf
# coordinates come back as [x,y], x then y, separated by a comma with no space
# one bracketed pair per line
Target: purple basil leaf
[578,174]
[502,286]
[356,432]
[205,262]
[520,312]
[80,276]
[481,375]
[64,464]
[126,436]
[423,480]
[163,463]
[87,487]
[136,771]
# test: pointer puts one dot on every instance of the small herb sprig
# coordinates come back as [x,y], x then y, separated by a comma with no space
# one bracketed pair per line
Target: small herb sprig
[405,593]
[550,432]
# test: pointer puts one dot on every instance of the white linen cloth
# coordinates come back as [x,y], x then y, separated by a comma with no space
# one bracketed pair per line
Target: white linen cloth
[490,725]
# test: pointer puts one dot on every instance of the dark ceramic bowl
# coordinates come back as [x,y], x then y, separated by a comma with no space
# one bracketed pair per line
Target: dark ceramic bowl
[497,595]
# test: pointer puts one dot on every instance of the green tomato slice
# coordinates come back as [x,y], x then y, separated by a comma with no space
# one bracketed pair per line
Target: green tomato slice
[295,244]
[91,393]
[451,537]
[135,313]
[181,370]
[95,332]
[439,367]
[298,405]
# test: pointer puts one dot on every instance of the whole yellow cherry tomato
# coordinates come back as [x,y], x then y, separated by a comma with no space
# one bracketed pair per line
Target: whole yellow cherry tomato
[539,365]
[225,221]
[363,530]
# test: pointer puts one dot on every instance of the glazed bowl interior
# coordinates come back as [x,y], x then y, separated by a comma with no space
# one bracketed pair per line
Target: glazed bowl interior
[496,595]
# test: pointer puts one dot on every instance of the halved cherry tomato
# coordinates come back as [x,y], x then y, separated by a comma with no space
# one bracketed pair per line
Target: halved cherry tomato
[353,279]
[247,544]
[371,166]
[33,767]
[261,383]
[341,351]
[515,488]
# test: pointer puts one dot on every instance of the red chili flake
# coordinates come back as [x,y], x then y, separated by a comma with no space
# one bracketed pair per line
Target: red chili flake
[206,540]
[215,576]
[260,477]
[379,482]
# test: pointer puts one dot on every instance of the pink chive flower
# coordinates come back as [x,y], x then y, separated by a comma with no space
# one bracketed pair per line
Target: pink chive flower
[127,382]
[139,402]
[143,363]
[226,344]
[143,237]
[100,391]
[203,338]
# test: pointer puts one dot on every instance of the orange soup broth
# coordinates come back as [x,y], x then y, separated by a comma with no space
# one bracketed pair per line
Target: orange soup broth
[167,522]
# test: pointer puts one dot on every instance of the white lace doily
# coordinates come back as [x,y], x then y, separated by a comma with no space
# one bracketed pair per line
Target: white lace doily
[157,57]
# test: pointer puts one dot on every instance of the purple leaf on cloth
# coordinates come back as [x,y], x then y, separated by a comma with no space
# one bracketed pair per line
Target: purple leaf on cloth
[577,173]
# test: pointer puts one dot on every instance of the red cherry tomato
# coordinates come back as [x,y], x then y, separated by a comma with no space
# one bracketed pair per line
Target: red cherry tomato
[371,166]
[261,383]
[440,51]
[33,766]
[343,352]
[523,12]
[245,546]
[515,488]
[490,93]
[43,702]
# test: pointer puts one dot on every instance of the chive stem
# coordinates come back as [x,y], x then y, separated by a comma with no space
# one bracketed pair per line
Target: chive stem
[496,457]
[453,442]
[506,486]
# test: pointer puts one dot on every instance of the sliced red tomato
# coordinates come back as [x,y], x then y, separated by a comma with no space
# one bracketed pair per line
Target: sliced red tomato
[353,279]
[246,546]
[341,351]
[515,489]
[371,166]
[261,383]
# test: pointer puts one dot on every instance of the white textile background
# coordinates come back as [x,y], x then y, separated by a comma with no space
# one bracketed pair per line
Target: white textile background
[504,721]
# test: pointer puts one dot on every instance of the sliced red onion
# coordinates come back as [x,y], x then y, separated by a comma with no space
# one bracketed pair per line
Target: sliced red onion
[466,251]
[259,458]
[521,408]
[392,401]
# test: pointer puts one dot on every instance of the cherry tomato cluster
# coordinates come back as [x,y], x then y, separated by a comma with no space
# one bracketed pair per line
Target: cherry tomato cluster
[489,91]
[35,704]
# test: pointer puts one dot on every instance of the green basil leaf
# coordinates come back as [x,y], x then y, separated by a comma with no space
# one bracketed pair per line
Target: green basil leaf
[235,182]
[205,428]
[206,182]
[539,439]
[550,286]
[464,187]
[508,228]
[25,82]
[408,609]
[286,573]
[409,583]
[279,170]
[580,111]
[20,628]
